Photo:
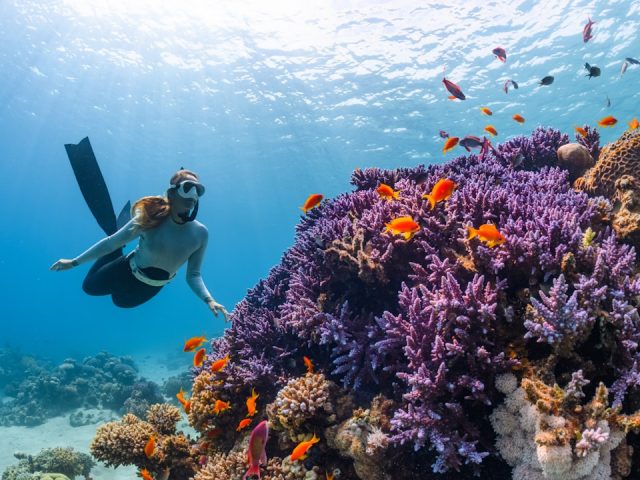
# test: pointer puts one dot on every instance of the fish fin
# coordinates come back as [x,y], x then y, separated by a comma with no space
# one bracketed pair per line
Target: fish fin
[407,235]
[432,202]
[587,66]
[396,194]
[473,232]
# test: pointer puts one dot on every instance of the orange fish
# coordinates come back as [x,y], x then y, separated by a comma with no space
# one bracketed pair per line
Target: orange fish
[441,191]
[187,407]
[243,424]
[193,343]
[486,111]
[308,363]
[386,192]
[518,118]
[581,131]
[449,144]
[487,233]
[300,452]
[150,447]
[180,397]
[251,403]
[451,97]
[144,473]
[312,201]
[198,358]
[404,226]
[608,121]
[491,129]
[633,124]
[219,364]
[221,406]
[329,476]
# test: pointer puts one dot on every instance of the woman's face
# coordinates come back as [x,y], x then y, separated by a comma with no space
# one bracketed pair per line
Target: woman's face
[180,204]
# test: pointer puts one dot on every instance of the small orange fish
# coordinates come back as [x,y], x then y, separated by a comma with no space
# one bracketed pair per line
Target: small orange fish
[220,406]
[243,424]
[308,363]
[486,111]
[487,233]
[219,364]
[441,191]
[451,97]
[518,118]
[312,201]
[633,124]
[300,452]
[404,226]
[329,476]
[450,143]
[198,358]
[491,129]
[193,343]
[386,192]
[581,131]
[187,407]
[608,121]
[144,473]
[251,403]
[150,447]
[180,397]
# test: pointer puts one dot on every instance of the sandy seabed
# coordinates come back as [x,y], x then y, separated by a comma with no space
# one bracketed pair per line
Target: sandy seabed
[57,432]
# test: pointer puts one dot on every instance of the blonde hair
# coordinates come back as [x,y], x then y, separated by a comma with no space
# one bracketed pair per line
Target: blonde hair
[151,211]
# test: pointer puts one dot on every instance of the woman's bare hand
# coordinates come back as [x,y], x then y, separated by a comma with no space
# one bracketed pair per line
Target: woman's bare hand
[63,264]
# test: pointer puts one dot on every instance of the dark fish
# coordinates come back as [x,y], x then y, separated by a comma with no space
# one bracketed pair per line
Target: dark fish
[593,71]
[517,160]
[507,83]
[443,134]
[548,80]
[632,60]
[453,89]
[500,53]
[470,142]
[586,31]
[608,101]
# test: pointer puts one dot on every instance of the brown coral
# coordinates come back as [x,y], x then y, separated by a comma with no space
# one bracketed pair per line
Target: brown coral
[616,159]
[575,158]
[123,442]
[300,400]
[626,218]
[164,418]
[228,466]
[354,254]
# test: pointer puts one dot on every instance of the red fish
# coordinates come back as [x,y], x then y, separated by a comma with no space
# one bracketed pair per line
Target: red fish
[251,403]
[144,473]
[487,233]
[634,124]
[308,363]
[256,453]
[386,192]
[198,358]
[450,143]
[243,424]
[500,53]
[220,406]
[608,121]
[453,89]
[518,118]
[219,364]
[440,192]
[193,343]
[486,111]
[491,129]
[300,451]
[581,131]
[586,31]
[404,226]
[150,447]
[312,201]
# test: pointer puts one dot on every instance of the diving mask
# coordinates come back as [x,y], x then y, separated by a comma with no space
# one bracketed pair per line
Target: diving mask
[189,189]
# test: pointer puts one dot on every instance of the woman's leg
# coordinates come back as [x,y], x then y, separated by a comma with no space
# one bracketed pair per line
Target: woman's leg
[103,275]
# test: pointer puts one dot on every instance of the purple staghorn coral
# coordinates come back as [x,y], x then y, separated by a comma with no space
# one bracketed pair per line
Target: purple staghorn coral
[591,141]
[431,321]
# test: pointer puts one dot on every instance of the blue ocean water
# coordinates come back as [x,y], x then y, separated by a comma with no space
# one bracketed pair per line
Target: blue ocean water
[268,102]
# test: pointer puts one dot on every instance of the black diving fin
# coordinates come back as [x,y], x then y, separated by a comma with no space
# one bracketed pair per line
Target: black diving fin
[92,184]
[124,216]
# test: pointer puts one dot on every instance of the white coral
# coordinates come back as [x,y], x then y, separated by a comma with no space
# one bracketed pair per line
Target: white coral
[517,422]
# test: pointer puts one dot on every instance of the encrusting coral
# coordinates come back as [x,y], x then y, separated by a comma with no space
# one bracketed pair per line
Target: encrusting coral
[56,463]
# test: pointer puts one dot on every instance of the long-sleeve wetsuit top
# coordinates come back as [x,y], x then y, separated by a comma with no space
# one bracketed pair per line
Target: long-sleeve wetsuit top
[167,246]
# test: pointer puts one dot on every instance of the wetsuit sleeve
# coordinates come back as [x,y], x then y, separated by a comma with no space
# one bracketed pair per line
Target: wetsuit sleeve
[194,277]
[128,232]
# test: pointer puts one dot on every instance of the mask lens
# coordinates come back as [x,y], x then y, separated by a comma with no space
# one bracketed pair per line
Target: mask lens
[186,186]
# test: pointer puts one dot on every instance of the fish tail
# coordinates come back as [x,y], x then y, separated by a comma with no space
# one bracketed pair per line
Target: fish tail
[303,209]
[396,195]
[432,202]
[407,235]
[473,232]
[253,470]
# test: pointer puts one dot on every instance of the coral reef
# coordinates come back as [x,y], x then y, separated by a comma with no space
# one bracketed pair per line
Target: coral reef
[60,461]
[103,381]
[123,443]
[438,352]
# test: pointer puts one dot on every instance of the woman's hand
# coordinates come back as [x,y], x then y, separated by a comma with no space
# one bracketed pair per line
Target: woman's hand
[63,264]
[216,308]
